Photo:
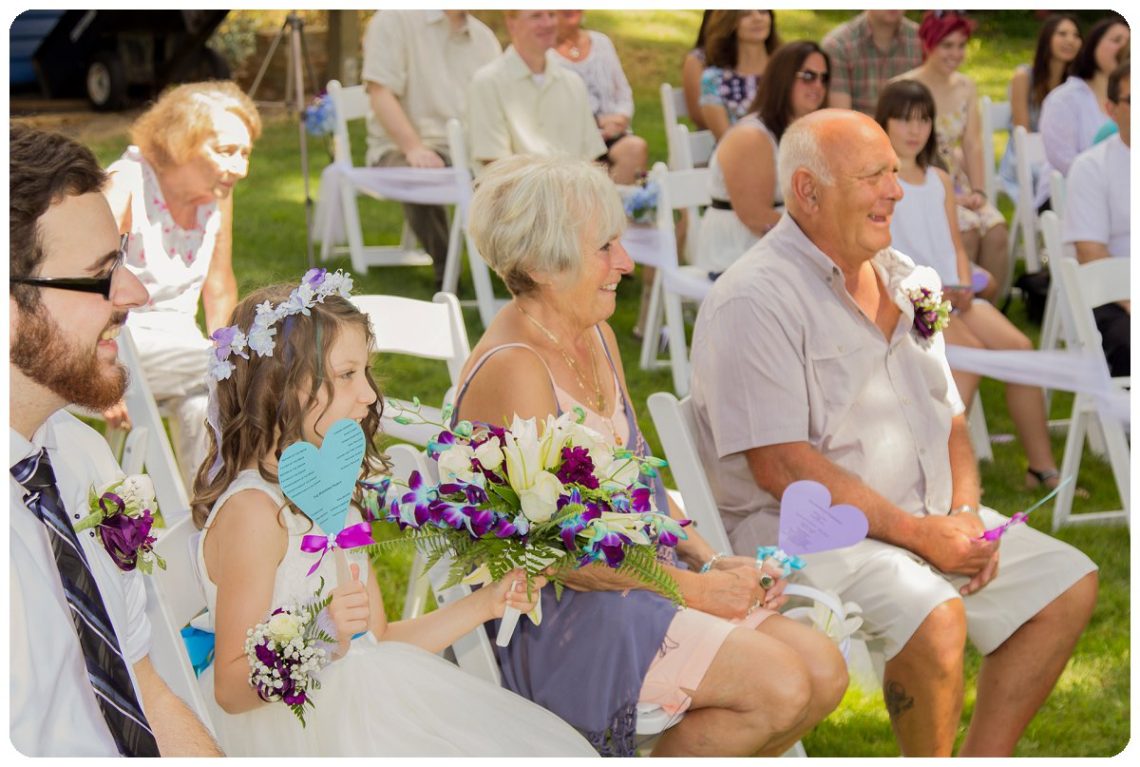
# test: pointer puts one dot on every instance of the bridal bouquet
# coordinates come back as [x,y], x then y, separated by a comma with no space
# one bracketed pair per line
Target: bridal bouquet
[512,498]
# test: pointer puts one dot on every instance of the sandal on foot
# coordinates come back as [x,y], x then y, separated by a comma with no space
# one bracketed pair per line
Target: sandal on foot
[1049,479]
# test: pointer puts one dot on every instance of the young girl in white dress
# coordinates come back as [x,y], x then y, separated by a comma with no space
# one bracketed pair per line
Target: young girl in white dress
[384,693]
[925,228]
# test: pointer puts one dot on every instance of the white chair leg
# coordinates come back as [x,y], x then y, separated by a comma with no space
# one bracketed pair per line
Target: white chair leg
[979,432]
[415,599]
[352,229]
[451,267]
[1071,462]
[651,333]
[678,348]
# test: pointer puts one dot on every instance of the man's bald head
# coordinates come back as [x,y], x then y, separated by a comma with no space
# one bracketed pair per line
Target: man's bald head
[823,143]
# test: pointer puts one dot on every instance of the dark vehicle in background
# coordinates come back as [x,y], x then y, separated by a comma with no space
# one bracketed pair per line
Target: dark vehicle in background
[112,57]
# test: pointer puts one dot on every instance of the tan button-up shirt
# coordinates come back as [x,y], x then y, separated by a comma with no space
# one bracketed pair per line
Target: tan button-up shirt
[510,113]
[782,353]
[428,67]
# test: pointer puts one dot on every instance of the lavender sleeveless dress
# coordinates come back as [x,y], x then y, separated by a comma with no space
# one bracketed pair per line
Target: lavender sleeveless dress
[588,659]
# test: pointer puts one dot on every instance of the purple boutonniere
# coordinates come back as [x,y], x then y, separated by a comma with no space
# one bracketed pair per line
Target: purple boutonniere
[123,513]
[931,313]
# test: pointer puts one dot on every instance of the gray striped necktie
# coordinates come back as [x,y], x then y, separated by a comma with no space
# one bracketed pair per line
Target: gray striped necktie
[106,667]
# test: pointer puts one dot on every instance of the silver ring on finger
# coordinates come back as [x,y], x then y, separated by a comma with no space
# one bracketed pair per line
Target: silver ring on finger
[767,581]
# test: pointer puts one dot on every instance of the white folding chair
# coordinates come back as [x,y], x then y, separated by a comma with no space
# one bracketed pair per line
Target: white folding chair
[1052,324]
[676,426]
[147,446]
[995,117]
[1057,193]
[428,329]
[1030,151]
[174,597]
[674,282]
[473,651]
[352,103]
[1083,287]
[700,144]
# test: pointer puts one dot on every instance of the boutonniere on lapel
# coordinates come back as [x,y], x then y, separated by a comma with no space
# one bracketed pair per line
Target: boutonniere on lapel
[123,514]
[931,313]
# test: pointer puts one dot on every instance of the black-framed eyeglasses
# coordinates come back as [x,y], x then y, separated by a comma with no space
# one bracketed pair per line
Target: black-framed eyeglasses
[100,285]
[810,76]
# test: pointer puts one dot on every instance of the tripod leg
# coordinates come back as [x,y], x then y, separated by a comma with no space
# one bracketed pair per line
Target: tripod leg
[296,48]
[268,58]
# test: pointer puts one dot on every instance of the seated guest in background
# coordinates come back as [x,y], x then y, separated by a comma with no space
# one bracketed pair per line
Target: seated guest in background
[417,66]
[172,193]
[751,681]
[1073,112]
[525,102]
[867,51]
[81,680]
[1098,213]
[958,129]
[841,389]
[692,68]
[1057,45]
[592,55]
[742,172]
[738,45]
[925,228]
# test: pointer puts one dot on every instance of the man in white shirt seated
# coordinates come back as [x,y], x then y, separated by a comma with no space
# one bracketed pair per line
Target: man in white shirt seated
[524,101]
[807,365]
[1098,213]
[417,65]
[81,683]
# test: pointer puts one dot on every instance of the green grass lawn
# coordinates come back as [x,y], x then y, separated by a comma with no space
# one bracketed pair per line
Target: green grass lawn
[1088,714]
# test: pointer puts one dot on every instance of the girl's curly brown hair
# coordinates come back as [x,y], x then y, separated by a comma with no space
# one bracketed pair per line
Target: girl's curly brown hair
[262,404]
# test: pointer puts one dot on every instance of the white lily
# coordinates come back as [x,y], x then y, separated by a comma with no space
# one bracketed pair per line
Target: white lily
[540,500]
[489,454]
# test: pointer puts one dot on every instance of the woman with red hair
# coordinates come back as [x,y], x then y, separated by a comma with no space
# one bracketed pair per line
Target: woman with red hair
[958,128]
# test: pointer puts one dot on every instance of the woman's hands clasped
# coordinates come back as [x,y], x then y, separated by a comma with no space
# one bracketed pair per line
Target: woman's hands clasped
[732,588]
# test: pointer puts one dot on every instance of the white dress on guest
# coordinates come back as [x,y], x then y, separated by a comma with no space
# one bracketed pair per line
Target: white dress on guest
[382,698]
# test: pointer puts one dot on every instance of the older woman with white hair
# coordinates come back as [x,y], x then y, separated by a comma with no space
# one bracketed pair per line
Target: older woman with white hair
[748,680]
[172,195]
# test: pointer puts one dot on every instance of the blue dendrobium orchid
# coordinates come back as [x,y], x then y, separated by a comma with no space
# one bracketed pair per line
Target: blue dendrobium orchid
[419,496]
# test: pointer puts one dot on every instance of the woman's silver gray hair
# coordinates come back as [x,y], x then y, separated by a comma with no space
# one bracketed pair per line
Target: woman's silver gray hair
[530,215]
[800,148]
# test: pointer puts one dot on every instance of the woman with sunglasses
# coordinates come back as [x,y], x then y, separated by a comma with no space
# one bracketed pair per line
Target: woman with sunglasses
[171,193]
[958,130]
[746,199]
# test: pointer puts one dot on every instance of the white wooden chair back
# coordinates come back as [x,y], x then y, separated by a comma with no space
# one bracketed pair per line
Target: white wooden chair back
[1030,151]
[174,597]
[1057,193]
[995,117]
[697,144]
[1052,323]
[427,329]
[147,446]
[1083,287]
[673,282]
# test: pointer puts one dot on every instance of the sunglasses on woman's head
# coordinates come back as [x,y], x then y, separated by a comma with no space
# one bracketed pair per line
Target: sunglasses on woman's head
[100,285]
[810,76]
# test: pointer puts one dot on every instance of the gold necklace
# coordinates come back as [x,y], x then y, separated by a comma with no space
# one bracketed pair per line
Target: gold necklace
[599,398]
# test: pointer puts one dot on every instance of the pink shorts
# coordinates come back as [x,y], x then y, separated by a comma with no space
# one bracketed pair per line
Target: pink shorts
[691,642]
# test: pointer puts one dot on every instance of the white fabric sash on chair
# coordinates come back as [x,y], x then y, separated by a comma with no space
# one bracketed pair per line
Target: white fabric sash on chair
[647,245]
[423,186]
[1072,371]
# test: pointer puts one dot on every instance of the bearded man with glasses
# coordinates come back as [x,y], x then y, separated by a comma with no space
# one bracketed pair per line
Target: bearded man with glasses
[81,683]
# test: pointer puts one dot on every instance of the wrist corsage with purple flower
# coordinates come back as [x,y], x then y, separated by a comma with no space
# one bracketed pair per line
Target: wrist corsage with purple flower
[123,513]
[286,651]
[931,313]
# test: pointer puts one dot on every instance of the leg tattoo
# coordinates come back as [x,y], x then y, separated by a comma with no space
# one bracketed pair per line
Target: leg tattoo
[897,700]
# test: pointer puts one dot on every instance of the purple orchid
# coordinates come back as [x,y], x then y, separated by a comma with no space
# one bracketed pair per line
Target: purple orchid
[419,496]
[441,442]
[640,499]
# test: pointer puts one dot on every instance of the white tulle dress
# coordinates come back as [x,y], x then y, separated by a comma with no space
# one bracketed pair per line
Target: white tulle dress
[382,698]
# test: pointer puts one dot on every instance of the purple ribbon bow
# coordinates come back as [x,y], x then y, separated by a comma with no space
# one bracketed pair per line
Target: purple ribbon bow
[352,537]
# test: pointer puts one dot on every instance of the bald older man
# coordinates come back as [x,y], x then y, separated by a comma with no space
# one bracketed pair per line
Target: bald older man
[815,325]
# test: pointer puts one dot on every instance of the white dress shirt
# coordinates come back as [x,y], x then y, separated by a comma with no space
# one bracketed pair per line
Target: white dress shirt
[52,708]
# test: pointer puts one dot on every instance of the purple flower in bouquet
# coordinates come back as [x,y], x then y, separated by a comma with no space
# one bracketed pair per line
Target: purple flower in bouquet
[124,537]
[605,543]
[639,499]
[577,468]
[931,313]
[419,497]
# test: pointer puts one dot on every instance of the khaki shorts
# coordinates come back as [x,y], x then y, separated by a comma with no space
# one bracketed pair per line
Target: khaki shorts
[687,652]
[897,590]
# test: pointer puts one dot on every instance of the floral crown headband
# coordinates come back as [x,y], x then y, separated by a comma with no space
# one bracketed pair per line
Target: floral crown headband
[315,287]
